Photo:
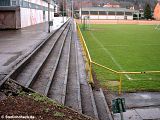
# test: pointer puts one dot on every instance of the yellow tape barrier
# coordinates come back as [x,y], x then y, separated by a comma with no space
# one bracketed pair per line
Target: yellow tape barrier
[89,63]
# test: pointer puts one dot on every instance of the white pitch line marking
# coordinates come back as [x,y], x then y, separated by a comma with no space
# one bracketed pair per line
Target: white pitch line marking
[111,56]
[131,45]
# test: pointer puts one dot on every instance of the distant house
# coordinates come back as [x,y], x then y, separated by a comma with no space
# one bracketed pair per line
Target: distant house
[107,13]
[157,11]
[109,5]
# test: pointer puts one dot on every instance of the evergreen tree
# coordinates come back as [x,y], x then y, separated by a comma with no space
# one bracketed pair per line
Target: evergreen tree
[147,12]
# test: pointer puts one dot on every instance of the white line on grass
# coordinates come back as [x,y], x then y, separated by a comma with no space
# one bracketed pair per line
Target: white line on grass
[136,45]
[110,54]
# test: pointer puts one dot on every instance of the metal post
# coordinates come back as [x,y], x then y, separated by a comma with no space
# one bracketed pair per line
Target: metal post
[63,11]
[72,9]
[120,107]
[138,17]
[53,12]
[120,85]
[66,9]
[81,11]
[48,16]
[91,79]
[89,21]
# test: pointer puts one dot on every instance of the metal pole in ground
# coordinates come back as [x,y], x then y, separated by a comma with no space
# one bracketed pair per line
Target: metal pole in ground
[120,84]
[49,16]
[72,9]
[81,11]
[63,11]
[66,9]
[120,107]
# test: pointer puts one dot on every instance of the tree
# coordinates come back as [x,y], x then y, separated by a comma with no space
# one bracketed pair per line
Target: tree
[147,12]
[62,7]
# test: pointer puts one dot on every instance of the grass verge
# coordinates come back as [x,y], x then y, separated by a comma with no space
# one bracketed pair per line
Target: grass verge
[125,48]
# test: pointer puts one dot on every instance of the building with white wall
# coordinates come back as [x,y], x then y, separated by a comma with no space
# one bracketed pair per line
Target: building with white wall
[16,14]
[107,13]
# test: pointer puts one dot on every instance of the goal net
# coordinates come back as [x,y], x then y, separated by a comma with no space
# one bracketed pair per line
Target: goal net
[86,23]
[157,27]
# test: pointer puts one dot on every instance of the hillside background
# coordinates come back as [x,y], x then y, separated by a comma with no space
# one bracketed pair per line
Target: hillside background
[138,4]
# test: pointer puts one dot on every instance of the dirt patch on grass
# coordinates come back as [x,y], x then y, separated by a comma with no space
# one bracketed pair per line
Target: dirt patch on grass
[96,85]
[18,103]
[23,106]
[107,93]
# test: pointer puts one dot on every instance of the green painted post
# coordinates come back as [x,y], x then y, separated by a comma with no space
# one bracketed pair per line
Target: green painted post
[120,108]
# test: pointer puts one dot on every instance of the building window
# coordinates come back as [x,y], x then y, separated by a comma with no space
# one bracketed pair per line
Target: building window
[128,13]
[4,2]
[25,4]
[119,13]
[94,12]
[14,3]
[102,12]
[111,13]
[85,12]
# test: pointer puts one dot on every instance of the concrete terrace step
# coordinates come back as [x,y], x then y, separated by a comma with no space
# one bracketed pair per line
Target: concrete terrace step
[87,99]
[102,107]
[73,98]
[57,89]
[58,71]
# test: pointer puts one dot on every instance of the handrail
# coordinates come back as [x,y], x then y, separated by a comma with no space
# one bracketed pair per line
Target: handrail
[144,72]
[87,54]
[105,67]
[89,57]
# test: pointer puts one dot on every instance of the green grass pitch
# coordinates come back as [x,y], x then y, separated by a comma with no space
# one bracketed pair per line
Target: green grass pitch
[126,48]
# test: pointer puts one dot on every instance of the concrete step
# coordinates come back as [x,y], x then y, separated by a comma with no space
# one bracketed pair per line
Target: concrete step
[101,104]
[44,79]
[87,99]
[27,70]
[73,98]
[57,90]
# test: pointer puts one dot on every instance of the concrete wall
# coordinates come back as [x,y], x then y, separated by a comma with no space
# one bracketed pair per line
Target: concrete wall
[30,17]
[19,17]
[33,16]
[7,19]
[10,18]
[102,17]
[120,17]
[129,17]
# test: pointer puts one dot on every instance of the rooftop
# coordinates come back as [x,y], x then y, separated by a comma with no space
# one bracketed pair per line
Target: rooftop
[107,9]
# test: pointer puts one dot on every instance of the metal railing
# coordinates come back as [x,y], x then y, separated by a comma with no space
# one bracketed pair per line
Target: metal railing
[89,63]
[87,56]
